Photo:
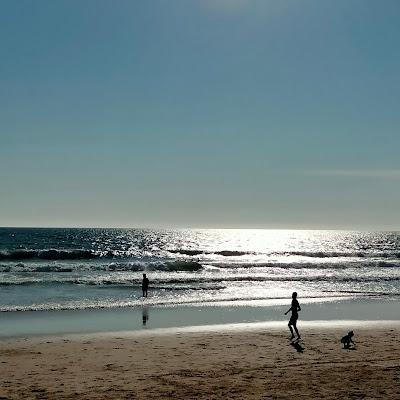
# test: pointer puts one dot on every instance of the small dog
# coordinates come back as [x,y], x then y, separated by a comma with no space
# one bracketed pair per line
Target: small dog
[346,340]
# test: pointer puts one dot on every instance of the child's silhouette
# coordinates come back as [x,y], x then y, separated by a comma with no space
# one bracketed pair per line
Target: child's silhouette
[295,308]
[346,340]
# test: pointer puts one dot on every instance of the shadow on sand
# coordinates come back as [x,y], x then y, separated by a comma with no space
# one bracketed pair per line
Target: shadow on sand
[299,348]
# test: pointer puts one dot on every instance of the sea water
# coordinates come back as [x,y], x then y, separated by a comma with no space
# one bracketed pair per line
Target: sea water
[99,269]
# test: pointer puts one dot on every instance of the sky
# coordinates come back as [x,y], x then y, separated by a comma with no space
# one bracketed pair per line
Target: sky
[200,113]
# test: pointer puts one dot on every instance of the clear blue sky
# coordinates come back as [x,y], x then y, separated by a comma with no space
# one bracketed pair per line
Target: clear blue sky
[207,113]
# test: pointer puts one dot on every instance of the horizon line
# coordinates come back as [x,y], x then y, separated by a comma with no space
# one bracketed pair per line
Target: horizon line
[205,228]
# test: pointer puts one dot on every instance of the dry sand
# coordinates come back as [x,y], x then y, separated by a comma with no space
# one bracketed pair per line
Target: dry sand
[207,365]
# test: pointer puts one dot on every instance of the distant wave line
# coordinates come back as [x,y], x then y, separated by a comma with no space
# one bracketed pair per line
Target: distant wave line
[189,266]
[201,280]
[88,254]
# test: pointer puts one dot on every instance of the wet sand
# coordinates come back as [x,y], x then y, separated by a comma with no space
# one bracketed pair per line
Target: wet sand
[221,364]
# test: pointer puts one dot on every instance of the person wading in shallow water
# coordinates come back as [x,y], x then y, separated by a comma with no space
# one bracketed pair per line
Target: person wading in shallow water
[145,285]
[295,308]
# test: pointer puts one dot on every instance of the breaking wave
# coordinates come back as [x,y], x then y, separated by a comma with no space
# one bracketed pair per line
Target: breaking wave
[225,253]
[191,266]
[311,254]
[132,302]
[48,254]
[334,254]
[85,254]
[168,266]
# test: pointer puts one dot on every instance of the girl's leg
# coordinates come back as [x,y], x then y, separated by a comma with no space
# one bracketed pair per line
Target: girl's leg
[291,330]
[297,332]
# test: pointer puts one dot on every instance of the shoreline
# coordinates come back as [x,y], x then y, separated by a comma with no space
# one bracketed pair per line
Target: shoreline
[218,329]
[60,322]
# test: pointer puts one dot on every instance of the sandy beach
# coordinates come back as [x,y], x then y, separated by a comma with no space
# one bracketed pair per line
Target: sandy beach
[225,364]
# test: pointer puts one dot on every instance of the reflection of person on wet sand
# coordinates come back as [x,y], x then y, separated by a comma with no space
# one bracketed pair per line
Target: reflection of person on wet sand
[295,308]
[145,285]
[145,315]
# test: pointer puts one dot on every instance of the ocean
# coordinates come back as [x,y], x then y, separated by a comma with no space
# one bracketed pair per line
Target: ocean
[78,269]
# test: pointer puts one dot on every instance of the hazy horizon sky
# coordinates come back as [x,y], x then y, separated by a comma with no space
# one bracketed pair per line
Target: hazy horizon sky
[208,113]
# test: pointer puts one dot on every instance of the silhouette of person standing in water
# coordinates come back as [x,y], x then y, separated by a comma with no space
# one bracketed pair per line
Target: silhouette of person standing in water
[145,285]
[295,308]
